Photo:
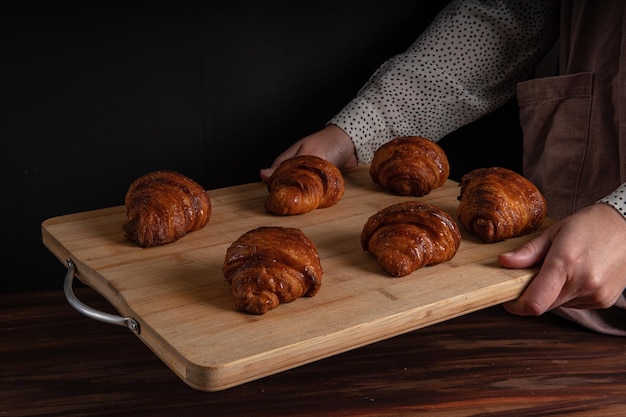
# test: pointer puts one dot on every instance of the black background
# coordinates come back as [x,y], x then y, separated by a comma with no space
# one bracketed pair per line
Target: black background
[94,96]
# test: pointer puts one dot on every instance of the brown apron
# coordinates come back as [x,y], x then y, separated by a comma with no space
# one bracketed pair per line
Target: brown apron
[574,125]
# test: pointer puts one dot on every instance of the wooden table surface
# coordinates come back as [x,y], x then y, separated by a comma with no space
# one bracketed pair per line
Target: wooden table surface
[56,362]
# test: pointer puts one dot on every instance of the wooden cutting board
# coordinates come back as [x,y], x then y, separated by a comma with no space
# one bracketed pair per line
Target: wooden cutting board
[184,306]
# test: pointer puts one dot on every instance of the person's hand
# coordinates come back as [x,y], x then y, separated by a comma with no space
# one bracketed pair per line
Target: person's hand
[584,263]
[330,143]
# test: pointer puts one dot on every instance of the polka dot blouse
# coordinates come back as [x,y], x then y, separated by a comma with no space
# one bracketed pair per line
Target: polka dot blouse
[465,65]
[617,199]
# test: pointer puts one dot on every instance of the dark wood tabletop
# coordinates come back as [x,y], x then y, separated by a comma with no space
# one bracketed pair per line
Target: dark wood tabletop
[56,362]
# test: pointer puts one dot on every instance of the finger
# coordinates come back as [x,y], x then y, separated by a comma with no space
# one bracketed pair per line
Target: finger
[292,151]
[266,173]
[529,254]
[544,292]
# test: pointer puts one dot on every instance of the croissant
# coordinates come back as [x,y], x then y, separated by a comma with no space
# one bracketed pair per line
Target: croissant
[410,235]
[267,266]
[410,165]
[302,184]
[163,206]
[497,203]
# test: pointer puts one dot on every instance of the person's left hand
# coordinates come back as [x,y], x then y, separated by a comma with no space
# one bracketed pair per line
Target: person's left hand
[583,261]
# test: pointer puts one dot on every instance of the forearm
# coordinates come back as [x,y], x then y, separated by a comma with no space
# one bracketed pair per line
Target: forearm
[465,65]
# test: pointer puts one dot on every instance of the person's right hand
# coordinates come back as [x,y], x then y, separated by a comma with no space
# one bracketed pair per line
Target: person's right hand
[330,143]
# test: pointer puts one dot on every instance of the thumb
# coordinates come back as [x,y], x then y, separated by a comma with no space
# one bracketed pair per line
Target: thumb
[529,254]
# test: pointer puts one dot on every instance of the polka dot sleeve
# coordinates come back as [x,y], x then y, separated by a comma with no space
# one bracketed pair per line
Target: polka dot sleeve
[465,65]
[617,199]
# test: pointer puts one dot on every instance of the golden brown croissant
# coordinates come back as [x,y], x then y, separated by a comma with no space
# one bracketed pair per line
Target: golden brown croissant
[407,236]
[410,165]
[302,184]
[163,206]
[497,203]
[267,266]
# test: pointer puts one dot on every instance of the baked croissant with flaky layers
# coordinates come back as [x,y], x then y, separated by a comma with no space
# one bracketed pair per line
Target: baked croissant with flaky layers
[270,265]
[163,206]
[497,203]
[302,184]
[410,165]
[410,235]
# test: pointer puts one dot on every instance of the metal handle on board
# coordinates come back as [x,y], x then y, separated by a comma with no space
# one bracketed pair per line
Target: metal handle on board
[131,323]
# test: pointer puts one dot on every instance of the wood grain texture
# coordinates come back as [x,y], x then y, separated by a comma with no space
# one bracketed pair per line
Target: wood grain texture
[187,315]
[55,362]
